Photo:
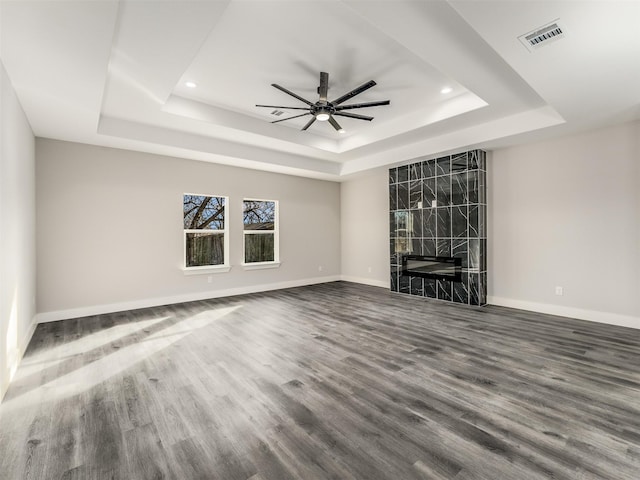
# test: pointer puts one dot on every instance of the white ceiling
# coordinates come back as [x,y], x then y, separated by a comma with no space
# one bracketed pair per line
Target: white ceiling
[113,73]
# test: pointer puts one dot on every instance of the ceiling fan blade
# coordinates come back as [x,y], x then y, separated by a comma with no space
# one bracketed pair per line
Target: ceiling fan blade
[290,118]
[279,106]
[363,105]
[335,124]
[289,92]
[309,124]
[354,92]
[324,86]
[354,115]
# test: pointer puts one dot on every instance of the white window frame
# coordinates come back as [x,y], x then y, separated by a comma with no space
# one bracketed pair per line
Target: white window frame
[276,237]
[205,269]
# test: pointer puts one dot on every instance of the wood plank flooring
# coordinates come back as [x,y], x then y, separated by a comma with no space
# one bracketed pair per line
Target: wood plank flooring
[333,381]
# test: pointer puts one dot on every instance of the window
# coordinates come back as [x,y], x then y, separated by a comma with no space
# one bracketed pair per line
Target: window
[205,232]
[260,231]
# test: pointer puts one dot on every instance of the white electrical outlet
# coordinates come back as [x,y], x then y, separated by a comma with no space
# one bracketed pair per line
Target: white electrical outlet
[210,279]
[559,291]
[319,268]
[369,269]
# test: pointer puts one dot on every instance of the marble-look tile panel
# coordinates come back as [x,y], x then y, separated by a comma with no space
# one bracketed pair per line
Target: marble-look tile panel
[459,221]
[444,222]
[474,253]
[482,221]
[443,193]
[393,196]
[483,255]
[394,255]
[459,162]
[429,221]
[459,249]
[416,223]
[461,290]
[443,166]
[459,194]
[394,279]
[393,252]
[416,246]
[429,247]
[474,231]
[393,175]
[415,172]
[473,160]
[404,284]
[444,289]
[428,168]
[428,192]
[430,288]
[474,294]
[481,189]
[403,196]
[472,186]
[443,247]
[403,173]
[416,286]
[482,293]
[482,162]
[415,194]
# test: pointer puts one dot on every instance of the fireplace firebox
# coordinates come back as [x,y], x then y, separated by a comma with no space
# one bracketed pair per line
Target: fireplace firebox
[440,268]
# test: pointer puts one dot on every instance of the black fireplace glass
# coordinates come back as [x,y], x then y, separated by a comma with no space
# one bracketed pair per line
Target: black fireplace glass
[441,268]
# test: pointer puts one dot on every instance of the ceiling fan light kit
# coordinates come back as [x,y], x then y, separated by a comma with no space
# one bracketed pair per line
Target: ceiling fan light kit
[324,110]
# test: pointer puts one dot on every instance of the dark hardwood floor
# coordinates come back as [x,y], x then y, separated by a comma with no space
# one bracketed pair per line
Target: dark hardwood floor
[333,381]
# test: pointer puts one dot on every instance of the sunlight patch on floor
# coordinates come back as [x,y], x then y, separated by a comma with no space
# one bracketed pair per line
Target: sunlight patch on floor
[52,356]
[113,363]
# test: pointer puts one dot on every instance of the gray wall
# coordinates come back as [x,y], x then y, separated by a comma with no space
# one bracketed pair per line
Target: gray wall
[17,227]
[365,222]
[110,229]
[566,213]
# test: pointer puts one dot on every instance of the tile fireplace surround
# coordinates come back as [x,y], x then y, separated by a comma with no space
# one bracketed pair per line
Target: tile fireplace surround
[438,209]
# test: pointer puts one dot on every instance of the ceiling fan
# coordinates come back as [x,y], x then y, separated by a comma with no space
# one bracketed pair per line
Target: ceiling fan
[324,110]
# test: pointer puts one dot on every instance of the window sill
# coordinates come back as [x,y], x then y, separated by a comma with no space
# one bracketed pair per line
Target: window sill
[259,265]
[206,270]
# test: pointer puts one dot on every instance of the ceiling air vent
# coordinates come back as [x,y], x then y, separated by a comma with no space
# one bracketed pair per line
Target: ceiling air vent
[277,113]
[542,36]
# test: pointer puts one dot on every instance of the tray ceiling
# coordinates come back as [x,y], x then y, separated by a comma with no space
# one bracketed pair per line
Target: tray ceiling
[114,74]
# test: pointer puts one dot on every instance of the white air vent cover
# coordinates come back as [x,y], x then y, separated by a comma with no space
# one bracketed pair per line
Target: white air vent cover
[542,36]
[277,113]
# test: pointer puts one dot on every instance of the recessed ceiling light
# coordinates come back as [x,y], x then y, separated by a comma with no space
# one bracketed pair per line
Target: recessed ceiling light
[446,90]
[191,84]
[342,130]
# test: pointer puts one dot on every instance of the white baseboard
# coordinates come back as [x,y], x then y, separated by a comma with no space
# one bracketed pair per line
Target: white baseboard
[571,312]
[365,281]
[189,297]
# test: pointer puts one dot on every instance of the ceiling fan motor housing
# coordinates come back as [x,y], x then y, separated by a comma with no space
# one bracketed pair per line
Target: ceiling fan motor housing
[327,109]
